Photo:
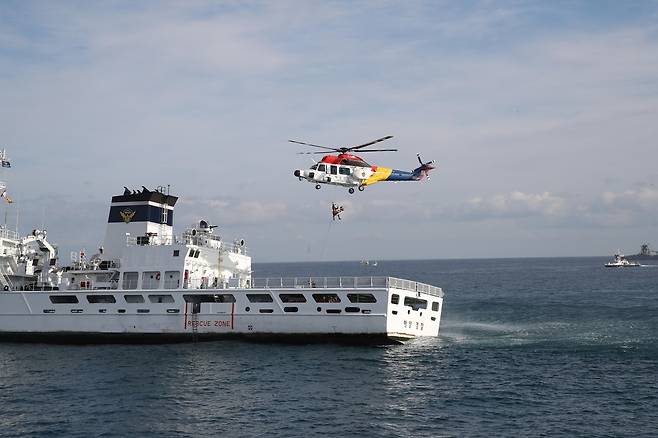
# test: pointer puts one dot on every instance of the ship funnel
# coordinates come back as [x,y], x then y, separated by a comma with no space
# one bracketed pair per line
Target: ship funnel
[135,214]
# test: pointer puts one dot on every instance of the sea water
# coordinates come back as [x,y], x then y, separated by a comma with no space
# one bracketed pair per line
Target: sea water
[528,347]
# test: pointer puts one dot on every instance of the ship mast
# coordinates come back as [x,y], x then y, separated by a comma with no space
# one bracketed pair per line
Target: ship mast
[4,164]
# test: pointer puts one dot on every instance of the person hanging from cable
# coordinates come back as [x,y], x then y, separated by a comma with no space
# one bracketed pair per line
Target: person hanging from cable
[3,193]
[336,210]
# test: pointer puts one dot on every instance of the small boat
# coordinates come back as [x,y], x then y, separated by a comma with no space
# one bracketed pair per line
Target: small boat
[621,262]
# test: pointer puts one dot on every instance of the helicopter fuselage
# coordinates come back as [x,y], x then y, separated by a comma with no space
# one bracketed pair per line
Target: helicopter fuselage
[352,171]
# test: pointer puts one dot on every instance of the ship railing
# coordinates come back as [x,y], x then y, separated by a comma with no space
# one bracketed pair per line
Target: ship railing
[346,283]
[8,234]
[186,240]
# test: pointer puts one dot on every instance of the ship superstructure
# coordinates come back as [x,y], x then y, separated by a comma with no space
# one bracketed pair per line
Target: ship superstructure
[26,262]
[147,284]
[645,254]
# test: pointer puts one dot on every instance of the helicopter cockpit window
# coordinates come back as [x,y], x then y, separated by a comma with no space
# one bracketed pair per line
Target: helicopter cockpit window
[345,170]
[334,170]
[314,167]
[321,168]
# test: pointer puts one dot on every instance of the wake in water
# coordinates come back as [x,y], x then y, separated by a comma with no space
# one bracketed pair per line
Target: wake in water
[553,334]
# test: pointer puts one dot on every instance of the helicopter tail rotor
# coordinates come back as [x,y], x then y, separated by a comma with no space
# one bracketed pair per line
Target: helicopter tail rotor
[424,169]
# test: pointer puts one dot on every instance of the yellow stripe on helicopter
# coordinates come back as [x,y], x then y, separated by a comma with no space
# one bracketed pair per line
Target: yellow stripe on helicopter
[381,174]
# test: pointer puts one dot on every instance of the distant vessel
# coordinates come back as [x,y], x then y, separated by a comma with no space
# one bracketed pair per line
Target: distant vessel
[621,262]
[368,263]
[645,254]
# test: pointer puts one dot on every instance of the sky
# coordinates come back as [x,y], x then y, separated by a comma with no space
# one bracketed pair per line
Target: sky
[541,116]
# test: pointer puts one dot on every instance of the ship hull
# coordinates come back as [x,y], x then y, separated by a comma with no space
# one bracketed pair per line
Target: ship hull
[87,338]
[385,315]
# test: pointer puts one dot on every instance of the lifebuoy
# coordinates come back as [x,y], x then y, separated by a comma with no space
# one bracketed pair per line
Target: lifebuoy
[157,276]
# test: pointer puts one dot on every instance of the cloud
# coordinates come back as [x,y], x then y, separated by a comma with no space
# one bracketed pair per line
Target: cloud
[231,212]
[515,204]
[641,200]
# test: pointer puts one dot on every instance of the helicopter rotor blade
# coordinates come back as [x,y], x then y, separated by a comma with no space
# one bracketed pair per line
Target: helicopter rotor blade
[311,153]
[377,150]
[370,143]
[312,145]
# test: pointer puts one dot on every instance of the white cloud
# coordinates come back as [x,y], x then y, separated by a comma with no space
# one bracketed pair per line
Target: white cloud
[515,204]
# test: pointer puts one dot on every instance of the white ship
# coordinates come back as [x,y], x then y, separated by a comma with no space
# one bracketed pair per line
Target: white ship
[621,262]
[148,285]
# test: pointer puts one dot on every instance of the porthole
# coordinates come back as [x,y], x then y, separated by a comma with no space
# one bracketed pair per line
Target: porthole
[246,309]
[319,309]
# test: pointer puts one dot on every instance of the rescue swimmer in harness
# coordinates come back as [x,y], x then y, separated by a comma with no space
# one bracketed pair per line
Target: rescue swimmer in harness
[336,210]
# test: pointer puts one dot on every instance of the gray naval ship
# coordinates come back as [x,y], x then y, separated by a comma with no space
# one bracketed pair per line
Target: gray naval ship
[645,254]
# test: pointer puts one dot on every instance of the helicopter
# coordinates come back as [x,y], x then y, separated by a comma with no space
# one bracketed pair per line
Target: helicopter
[349,170]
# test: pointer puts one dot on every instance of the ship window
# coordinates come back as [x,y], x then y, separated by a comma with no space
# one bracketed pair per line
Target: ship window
[433,318]
[345,171]
[394,312]
[361,298]
[352,310]
[176,252]
[395,299]
[333,310]
[321,168]
[292,298]
[143,310]
[415,303]
[266,310]
[133,298]
[48,310]
[150,280]
[76,310]
[98,299]
[334,170]
[191,254]
[196,254]
[173,310]
[435,306]
[143,240]
[102,310]
[130,280]
[161,298]
[121,310]
[366,311]
[291,309]
[259,298]
[172,280]
[207,298]
[326,298]
[63,299]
